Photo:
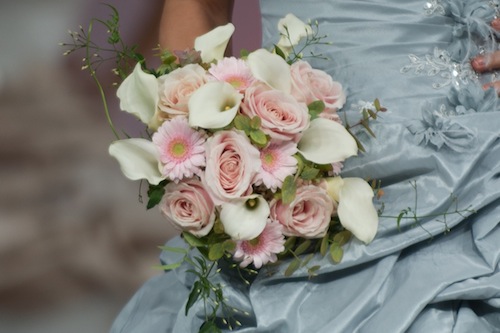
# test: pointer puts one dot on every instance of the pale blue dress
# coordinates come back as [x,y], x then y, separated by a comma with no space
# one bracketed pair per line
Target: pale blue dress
[441,134]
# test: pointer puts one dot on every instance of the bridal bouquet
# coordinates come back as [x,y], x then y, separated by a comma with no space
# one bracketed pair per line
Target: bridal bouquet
[243,151]
[243,155]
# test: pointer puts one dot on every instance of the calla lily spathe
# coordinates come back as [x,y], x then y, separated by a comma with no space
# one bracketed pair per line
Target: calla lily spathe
[326,141]
[292,30]
[355,206]
[214,105]
[244,222]
[212,45]
[138,159]
[138,95]
[271,69]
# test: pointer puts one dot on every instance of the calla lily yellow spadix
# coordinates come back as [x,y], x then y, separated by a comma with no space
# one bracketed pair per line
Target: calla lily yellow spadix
[355,206]
[138,159]
[326,141]
[245,218]
[138,95]
[271,69]
[212,45]
[214,105]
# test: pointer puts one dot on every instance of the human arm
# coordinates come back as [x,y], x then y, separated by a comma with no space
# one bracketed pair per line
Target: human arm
[184,20]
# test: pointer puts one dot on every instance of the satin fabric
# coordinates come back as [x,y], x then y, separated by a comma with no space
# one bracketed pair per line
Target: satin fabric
[437,149]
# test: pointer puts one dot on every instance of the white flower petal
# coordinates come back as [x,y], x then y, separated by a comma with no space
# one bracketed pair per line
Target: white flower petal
[333,186]
[214,105]
[138,159]
[326,141]
[296,30]
[271,69]
[212,45]
[138,94]
[244,223]
[356,210]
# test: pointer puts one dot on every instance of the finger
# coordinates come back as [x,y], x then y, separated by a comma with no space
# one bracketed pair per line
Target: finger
[485,63]
[495,85]
[495,24]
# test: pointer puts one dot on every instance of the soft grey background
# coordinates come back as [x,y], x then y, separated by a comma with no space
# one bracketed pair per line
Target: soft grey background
[75,243]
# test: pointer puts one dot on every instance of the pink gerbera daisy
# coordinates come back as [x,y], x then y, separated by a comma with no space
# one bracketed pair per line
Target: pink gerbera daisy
[277,162]
[182,149]
[262,249]
[234,71]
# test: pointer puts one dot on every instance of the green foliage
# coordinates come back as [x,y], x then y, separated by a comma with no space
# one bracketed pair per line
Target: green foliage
[315,108]
[288,190]
[155,194]
[251,127]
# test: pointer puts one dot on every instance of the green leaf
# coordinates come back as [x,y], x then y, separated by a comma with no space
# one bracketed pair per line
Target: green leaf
[400,216]
[307,260]
[367,127]
[372,114]
[209,327]
[294,265]
[303,247]
[312,270]
[258,137]
[342,237]
[216,251]
[279,52]
[192,240]
[288,190]
[336,252]
[315,108]
[242,123]
[290,243]
[228,245]
[324,245]
[358,143]
[309,173]
[173,249]
[168,267]
[155,193]
[193,295]
[255,123]
[376,103]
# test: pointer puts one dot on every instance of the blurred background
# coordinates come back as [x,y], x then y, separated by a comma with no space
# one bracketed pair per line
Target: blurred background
[75,242]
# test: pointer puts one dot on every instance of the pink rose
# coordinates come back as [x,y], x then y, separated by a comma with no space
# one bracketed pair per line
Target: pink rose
[283,118]
[176,87]
[188,207]
[308,215]
[309,85]
[231,166]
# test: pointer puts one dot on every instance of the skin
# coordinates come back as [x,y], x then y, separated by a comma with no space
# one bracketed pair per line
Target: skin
[183,20]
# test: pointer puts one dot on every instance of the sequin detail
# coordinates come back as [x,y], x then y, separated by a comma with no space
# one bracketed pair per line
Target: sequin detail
[439,64]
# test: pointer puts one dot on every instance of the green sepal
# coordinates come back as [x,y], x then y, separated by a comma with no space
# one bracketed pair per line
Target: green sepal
[279,51]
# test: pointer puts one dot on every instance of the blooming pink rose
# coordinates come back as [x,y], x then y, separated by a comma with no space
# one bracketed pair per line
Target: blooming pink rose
[176,87]
[231,166]
[188,207]
[310,84]
[283,118]
[308,215]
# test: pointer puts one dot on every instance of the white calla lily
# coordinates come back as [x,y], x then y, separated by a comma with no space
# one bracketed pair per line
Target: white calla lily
[326,141]
[214,105]
[355,206]
[245,218]
[292,30]
[138,95]
[271,69]
[138,159]
[212,45]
